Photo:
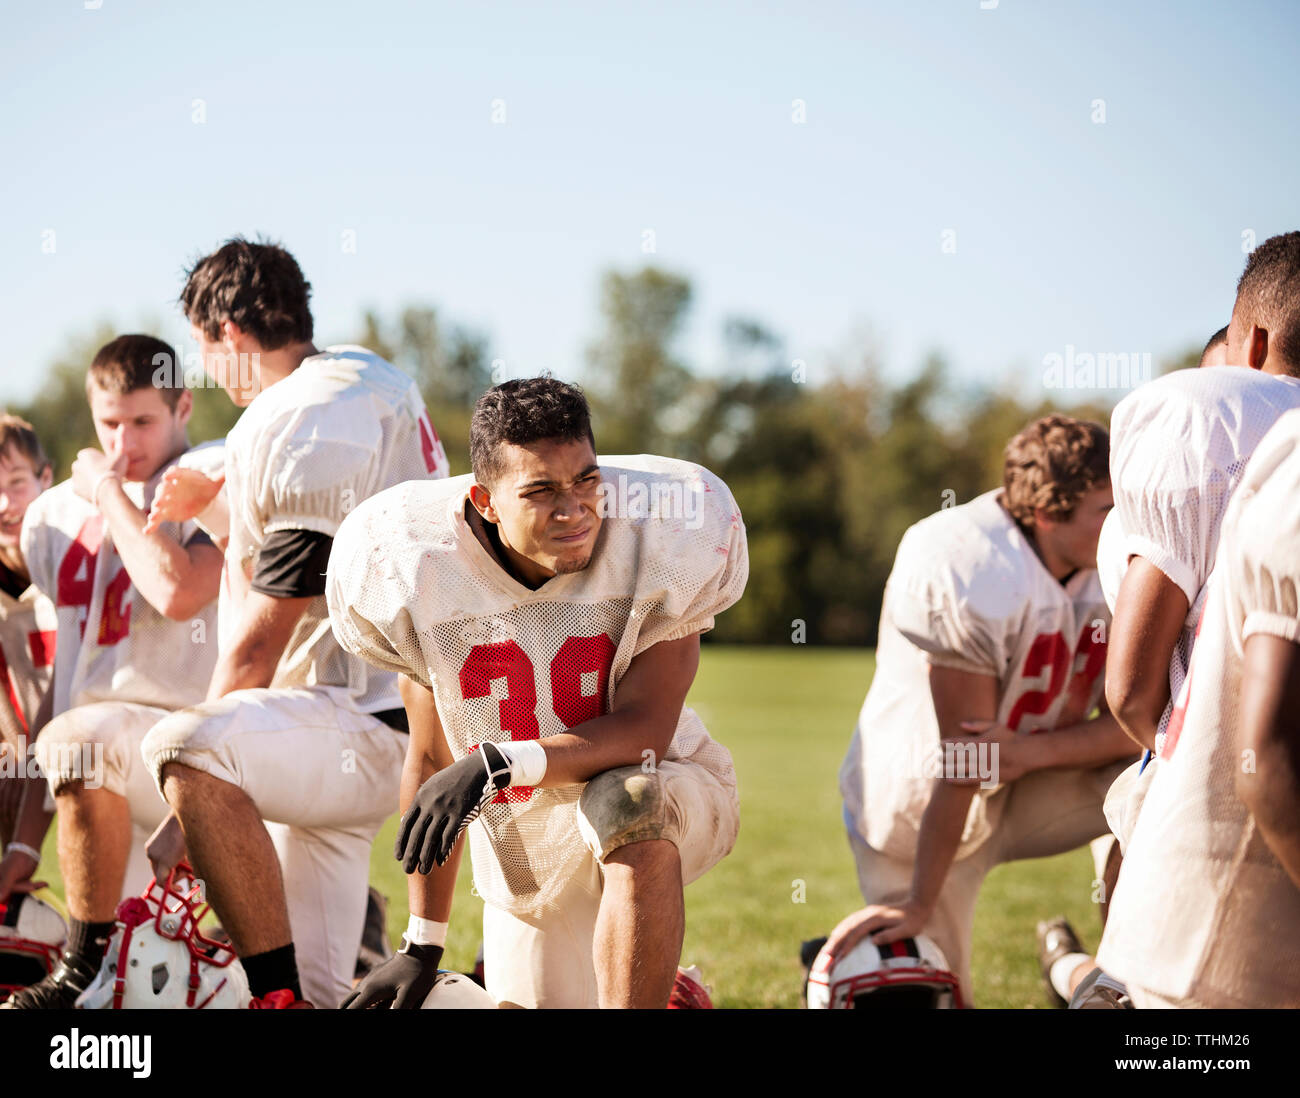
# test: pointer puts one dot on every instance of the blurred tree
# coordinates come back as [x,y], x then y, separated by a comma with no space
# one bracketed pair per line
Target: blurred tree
[636,381]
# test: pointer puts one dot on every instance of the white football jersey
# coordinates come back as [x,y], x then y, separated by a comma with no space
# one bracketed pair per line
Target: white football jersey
[343,426]
[411,589]
[1178,448]
[113,645]
[967,591]
[27,637]
[1204,913]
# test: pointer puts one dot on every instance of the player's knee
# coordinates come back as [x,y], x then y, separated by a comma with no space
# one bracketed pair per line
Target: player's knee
[622,807]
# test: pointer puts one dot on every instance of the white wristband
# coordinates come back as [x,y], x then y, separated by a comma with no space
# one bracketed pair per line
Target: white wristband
[94,489]
[23,848]
[527,759]
[425,932]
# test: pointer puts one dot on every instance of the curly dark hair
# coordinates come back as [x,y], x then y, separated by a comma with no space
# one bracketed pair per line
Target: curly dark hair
[522,411]
[1051,464]
[1268,294]
[257,285]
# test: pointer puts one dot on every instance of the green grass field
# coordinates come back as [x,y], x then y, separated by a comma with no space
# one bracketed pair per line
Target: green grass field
[786,715]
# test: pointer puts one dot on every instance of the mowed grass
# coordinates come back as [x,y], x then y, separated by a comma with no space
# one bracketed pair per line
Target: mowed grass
[787,714]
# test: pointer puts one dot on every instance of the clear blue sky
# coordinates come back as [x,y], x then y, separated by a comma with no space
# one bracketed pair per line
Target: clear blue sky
[920,117]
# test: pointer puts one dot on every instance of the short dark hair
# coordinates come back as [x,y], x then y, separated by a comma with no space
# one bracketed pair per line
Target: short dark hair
[17,436]
[1219,337]
[132,362]
[1268,294]
[257,285]
[522,411]
[1051,464]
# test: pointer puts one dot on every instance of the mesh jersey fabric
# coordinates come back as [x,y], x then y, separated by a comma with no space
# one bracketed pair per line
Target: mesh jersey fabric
[411,589]
[28,626]
[1179,446]
[112,644]
[967,591]
[1204,913]
[343,426]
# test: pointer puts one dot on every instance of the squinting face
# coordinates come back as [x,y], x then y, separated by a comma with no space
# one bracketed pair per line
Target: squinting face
[140,425]
[1075,540]
[19,485]
[546,506]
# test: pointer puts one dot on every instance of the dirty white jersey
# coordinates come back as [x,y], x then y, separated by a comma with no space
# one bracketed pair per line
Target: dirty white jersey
[112,644]
[27,637]
[1209,916]
[411,589]
[343,426]
[968,591]
[1178,447]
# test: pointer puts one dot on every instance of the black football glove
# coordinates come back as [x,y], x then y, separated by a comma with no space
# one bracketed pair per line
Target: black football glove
[445,805]
[402,982]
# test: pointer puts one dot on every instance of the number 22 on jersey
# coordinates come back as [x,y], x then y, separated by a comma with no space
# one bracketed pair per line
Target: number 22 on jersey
[579,658]
[1049,651]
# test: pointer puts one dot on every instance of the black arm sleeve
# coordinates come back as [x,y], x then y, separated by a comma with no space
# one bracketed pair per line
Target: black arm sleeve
[291,564]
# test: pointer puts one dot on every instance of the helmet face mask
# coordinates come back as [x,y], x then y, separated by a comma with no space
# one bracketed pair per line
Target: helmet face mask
[913,974]
[32,934]
[159,958]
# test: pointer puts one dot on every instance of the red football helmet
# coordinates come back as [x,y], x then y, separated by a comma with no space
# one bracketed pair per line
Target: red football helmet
[912,972]
[689,991]
[158,957]
[32,934]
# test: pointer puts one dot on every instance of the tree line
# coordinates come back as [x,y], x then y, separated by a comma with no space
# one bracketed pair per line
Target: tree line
[829,466]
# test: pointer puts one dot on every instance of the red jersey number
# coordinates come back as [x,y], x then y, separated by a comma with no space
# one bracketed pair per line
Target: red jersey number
[517,709]
[1049,650]
[76,584]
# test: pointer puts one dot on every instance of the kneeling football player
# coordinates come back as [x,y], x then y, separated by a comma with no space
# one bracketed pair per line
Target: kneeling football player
[546,613]
[974,745]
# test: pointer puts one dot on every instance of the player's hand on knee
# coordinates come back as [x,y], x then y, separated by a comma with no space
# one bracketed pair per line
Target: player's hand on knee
[16,869]
[182,494]
[166,848]
[402,982]
[445,805]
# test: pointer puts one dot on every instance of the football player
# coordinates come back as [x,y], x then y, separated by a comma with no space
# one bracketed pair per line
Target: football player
[1179,447]
[26,621]
[134,610]
[294,730]
[546,613]
[1214,851]
[993,624]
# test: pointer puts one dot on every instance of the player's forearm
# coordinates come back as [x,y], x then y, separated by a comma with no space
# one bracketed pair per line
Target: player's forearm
[32,821]
[631,737]
[215,519]
[1081,746]
[942,825]
[265,628]
[159,567]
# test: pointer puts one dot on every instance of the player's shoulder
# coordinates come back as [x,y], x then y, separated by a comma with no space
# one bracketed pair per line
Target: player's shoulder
[973,555]
[56,507]
[208,458]
[639,486]
[401,530]
[1208,395]
[1266,498]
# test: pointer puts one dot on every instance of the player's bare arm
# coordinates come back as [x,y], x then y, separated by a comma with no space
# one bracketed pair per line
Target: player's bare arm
[959,696]
[647,706]
[177,580]
[189,494]
[405,979]
[264,628]
[1270,728]
[1150,610]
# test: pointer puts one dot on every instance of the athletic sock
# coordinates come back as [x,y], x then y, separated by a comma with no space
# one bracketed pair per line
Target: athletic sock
[1062,969]
[89,941]
[271,971]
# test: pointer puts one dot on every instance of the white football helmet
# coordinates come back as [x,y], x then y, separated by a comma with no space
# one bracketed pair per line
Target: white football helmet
[159,959]
[912,972]
[32,935]
[456,991]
